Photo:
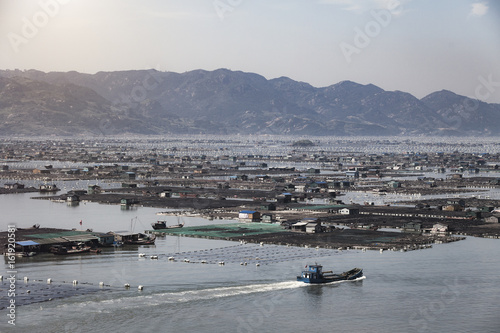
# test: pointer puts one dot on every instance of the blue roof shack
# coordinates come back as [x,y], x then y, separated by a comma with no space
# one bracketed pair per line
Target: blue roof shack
[249,215]
[284,197]
[27,246]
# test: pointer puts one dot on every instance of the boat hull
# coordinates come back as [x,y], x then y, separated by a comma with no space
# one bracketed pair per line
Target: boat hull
[162,226]
[353,274]
[140,241]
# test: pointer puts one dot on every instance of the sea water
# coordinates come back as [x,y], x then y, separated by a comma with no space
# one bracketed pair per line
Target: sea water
[451,287]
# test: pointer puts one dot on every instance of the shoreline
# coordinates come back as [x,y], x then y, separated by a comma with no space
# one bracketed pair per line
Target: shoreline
[256,233]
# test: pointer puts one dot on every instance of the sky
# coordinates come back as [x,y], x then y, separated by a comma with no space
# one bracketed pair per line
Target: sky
[416,46]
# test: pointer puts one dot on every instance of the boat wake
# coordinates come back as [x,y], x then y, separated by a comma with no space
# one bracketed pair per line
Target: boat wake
[185,296]
[212,293]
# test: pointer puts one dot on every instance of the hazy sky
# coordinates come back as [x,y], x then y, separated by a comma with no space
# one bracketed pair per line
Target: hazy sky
[417,46]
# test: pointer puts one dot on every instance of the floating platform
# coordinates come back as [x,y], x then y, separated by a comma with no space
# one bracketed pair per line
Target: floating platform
[222,231]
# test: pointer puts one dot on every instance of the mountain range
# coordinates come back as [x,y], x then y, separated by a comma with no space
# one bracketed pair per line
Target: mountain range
[226,102]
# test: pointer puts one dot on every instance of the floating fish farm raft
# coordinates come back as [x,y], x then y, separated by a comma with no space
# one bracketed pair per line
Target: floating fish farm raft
[222,231]
[265,233]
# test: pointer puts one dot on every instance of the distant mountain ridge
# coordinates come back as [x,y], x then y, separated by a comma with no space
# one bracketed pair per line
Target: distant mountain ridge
[226,102]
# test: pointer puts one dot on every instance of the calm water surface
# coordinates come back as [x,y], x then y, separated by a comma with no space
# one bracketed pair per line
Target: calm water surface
[449,288]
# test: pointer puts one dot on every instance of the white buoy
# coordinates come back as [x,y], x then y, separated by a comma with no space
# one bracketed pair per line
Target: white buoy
[244,263]
[101,284]
[154,257]
[257,264]
[28,291]
[142,254]
[127,285]
[221,263]
[49,280]
[186,260]
[381,250]
[1,277]
[171,258]
[203,261]
[261,243]
[140,287]
[26,279]
[75,281]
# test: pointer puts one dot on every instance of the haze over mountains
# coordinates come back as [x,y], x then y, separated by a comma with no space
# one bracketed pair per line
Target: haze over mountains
[226,102]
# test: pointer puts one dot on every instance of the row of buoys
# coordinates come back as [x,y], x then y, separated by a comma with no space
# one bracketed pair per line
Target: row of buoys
[75,282]
[127,286]
[238,251]
[143,255]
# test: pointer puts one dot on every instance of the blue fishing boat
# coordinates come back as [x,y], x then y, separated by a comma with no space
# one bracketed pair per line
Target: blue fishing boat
[315,274]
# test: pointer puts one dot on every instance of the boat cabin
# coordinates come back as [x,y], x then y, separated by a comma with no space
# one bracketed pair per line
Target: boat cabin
[313,272]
